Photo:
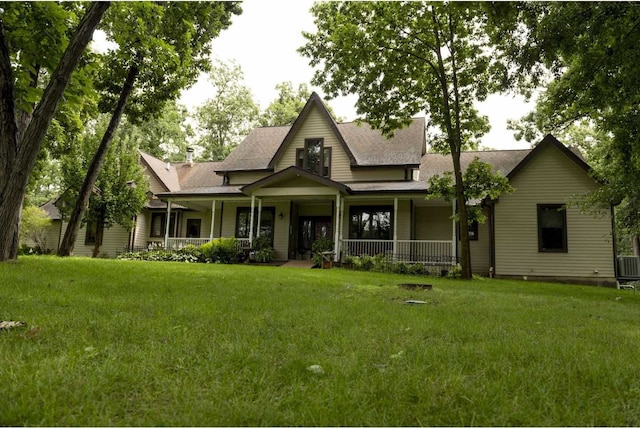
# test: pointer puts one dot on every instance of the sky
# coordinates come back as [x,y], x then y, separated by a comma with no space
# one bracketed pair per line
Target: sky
[263,40]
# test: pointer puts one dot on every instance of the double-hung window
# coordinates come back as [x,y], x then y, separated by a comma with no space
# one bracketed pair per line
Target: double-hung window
[314,157]
[552,228]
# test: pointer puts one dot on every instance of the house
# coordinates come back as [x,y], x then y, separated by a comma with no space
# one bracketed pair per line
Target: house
[345,181]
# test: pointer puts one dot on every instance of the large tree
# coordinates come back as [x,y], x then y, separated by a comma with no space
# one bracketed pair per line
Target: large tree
[589,52]
[226,118]
[403,58]
[161,49]
[20,142]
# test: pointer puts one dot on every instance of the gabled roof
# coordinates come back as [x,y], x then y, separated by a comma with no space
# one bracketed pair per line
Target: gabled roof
[198,174]
[550,140]
[168,177]
[51,209]
[291,172]
[364,146]
[314,101]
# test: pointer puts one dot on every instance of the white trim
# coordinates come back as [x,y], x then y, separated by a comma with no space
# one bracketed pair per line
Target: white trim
[454,240]
[260,217]
[253,205]
[213,216]
[395,226]
[336,242]
[168,222]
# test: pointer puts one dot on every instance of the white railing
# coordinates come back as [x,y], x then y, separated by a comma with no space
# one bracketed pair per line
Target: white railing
[405,250]
[242,243]
[177,243]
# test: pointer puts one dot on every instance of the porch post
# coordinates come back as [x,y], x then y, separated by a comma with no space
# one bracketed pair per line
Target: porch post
[167,223]
[395,227]
[454,237]
[259,216]
[253,205]
[213,216]
[336,242]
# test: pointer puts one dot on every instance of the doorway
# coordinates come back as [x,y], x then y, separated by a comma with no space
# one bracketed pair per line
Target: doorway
[311,228]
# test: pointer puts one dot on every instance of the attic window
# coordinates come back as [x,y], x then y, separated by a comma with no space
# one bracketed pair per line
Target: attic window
[314,157]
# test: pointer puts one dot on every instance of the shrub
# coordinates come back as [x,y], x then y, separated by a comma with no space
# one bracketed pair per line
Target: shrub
[401,268]
[320,246]
[220,250]
[264,255]
[418,269]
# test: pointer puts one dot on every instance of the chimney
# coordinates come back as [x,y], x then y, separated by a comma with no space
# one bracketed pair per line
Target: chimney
[190,155]
[168,166]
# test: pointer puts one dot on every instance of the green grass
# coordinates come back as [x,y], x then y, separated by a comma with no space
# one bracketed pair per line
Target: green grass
[144,343]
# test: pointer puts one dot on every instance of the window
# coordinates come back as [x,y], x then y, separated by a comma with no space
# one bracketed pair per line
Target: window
[243,222]
[370,222]
[193,227]
[552,228]
[91,232]
[158,225]
[314,157]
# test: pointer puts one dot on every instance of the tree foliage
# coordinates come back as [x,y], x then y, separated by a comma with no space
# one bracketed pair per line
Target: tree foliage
[34,227]
[21,131]
[403,58]
[590,50]
[119,192]
[285,109]
[481,184]
[224,120]
[161,49]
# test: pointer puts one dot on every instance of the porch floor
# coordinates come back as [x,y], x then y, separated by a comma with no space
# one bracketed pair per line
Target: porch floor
[305,264]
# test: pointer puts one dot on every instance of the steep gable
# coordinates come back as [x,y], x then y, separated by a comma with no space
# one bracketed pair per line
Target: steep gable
[161,173]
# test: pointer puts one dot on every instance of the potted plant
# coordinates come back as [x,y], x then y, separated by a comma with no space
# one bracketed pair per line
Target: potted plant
[320,249]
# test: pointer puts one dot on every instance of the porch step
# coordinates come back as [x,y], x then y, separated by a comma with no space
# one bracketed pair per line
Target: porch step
[305,264]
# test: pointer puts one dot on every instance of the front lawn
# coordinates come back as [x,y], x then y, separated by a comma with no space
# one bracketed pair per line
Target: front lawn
[113,342]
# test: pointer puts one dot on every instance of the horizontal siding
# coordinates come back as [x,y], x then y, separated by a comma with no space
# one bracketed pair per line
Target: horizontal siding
[238,178]
[380,174]
[114,240]
[551,178]
[433,223]
[481,249]
[316,126]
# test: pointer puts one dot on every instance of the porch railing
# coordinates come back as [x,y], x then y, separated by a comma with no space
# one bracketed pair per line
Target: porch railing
[413,251]
[177,243]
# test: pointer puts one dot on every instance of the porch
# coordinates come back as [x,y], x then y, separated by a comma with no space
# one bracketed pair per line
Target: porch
[428,252]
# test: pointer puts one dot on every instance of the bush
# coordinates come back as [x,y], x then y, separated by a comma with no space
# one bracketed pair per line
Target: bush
[264,255]
[320,246]
[401,268]
[220,250]
[418,269]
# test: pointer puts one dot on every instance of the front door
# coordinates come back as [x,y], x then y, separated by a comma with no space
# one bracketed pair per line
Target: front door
[310,229]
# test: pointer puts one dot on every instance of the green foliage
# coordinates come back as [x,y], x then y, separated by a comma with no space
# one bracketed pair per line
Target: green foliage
[285,109]
[34,227]
[417,269]
[221,250]
[120,190]
[587,52]
[319,246]
[480,183]
[225,119]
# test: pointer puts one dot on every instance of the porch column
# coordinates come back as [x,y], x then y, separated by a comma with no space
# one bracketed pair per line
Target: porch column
[259,216]
[253,205]
[454,237]
[213,216]
[395,227]
[336,242]
[167,223]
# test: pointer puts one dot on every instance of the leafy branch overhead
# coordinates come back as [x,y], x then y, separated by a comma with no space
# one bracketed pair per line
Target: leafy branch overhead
[481,183]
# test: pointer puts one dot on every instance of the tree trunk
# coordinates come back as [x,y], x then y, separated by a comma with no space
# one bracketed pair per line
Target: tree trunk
[455,145]
[635,245]
[70,235]
[18,156]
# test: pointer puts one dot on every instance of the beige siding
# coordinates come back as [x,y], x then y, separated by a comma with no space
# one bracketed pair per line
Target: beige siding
[403,220]
[143,223]
[380,174]
[551,178]
[433,223]
[237,178]
[114,240]
[205,223]
[316,126]
[154,185]
[481,249]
